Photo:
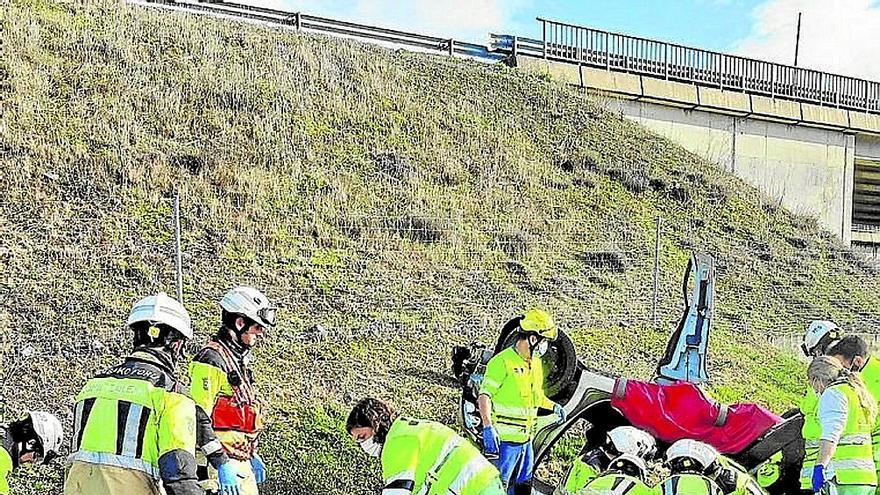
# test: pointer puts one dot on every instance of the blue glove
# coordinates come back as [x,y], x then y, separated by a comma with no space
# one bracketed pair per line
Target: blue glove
[259,469]
[491,445]
[228,479]
[560,412]
[818,477]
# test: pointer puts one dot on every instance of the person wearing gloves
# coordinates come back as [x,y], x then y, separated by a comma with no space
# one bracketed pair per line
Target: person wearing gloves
[852,351]
[223,385]
[846,415]
[625,475]
[136,430]
[418,456]
[511,392]
[820,336]
[37,436]
[590,464]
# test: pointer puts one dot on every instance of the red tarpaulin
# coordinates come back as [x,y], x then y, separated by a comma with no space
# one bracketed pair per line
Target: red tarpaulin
[681,410]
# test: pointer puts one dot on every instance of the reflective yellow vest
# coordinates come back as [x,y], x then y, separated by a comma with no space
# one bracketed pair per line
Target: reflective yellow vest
[429,458]
[131,423]
[578,477]
[745,484]
[616,484]
[853,459]
[5,469]
[688,484]
[871,376]
[811,431]
[517,391]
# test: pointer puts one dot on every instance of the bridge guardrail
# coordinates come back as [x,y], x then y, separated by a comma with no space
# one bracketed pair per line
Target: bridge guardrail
[613,51]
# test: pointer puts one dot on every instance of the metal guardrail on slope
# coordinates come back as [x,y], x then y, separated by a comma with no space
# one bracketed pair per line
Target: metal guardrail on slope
[618,52]
[312,23]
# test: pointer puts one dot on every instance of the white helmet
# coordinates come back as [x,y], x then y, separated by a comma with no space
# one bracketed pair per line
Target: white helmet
[48,429]
[702,455]
[250,302]
[625,463]
[162,309]
[633,441]
[819,337]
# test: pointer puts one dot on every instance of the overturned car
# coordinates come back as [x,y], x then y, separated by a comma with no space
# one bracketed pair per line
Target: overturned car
[670,407]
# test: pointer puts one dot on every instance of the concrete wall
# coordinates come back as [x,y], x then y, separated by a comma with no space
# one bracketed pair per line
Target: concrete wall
[806,170]
[800,155]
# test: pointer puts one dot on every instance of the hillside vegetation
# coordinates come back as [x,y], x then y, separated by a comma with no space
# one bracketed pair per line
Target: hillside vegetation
[394,204]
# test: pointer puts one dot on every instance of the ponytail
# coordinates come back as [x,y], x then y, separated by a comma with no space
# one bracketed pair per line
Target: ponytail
[854,380]
[829,371]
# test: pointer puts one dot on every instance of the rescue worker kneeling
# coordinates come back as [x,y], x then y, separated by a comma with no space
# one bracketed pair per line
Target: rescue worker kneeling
[420,456]
[37,436]
[625,476]
[588,466]
[692,467]
[134,425]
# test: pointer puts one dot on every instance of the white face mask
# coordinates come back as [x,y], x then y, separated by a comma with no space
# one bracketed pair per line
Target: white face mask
[371,447]
[541,348]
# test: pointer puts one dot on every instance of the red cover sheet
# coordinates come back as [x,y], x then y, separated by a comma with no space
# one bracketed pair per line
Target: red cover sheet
[682,410]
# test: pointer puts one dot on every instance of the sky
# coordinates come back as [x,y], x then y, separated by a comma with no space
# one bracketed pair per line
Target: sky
[840,36]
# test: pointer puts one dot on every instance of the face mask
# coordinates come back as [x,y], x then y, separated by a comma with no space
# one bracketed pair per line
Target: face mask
[541,348]
[371,447]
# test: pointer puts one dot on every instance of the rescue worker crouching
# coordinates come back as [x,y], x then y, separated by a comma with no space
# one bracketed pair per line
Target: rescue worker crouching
[589,465]
[692,465]
[847,414]
[37,436]
[134,424]
[819,337]
[625,475]
[420,456]
[511,392]
[223,385]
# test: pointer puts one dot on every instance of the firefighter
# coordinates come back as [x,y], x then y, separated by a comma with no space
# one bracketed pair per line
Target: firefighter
[692,466]
[37,436]
[588,466]
[223,385]
[625,475]
[135,427]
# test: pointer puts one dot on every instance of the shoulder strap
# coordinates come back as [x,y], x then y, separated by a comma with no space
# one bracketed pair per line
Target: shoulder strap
[244,393]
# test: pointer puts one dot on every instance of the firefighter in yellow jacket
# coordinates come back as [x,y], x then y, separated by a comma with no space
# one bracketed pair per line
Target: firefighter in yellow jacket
[420,456]
[511,392]
[136,429]
[223,385]
[37,436]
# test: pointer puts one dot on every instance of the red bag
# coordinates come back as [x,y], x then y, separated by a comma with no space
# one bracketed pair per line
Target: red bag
[682,410]
[229,415]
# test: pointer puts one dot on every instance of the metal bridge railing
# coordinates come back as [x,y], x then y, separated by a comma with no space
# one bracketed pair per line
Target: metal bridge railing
[582,45]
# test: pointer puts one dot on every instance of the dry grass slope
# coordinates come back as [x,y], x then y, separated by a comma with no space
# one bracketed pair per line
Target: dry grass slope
[405,202]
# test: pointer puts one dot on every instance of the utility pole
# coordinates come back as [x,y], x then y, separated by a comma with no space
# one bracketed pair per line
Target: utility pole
[797,41]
